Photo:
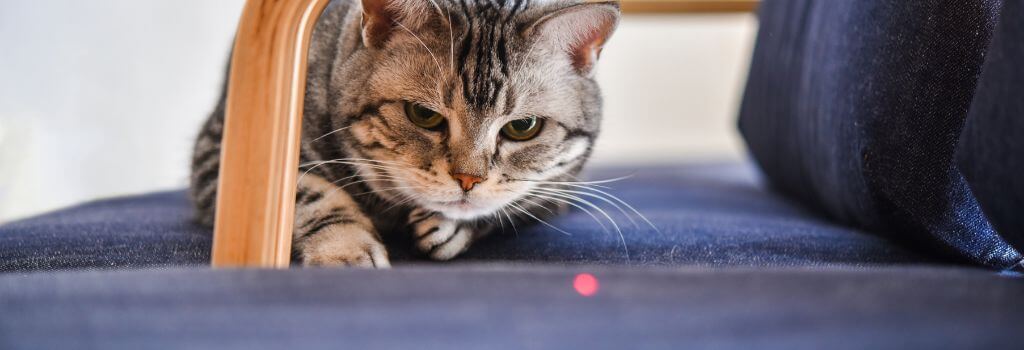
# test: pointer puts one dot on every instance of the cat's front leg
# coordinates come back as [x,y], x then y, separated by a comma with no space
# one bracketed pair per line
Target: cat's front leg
[331,230]
[441,238]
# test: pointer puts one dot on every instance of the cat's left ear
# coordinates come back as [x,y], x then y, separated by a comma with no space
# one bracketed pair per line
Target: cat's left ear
[580,30]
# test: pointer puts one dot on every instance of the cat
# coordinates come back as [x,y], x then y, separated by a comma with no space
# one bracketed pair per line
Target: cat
[441,118]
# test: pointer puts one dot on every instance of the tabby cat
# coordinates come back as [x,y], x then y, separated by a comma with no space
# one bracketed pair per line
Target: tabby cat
[442,118]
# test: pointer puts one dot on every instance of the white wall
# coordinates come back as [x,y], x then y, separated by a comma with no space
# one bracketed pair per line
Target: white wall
[672,88]
[103,97]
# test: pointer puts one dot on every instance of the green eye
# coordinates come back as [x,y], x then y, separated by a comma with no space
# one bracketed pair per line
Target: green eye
[522,129]
[422,116]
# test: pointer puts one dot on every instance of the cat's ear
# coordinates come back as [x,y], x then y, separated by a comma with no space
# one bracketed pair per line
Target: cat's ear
[378,21]
[580,30]
[381,18]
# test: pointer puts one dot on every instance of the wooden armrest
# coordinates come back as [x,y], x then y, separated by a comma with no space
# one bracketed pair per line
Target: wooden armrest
[260,148]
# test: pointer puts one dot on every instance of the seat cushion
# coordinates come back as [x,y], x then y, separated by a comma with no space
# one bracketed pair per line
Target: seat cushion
[130,232]
[521,307]
[856,108]
[709,214]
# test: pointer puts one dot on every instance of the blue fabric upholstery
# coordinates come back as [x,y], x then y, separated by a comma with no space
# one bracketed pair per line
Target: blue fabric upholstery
[713,215]
[991,151]
[855,108]
[523,307]
[131,232]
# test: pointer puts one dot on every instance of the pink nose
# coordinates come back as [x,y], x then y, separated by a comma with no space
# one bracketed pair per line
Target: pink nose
[467,181]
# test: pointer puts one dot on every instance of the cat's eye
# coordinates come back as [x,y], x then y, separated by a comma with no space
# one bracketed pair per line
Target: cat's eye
[522,129]
[422,116]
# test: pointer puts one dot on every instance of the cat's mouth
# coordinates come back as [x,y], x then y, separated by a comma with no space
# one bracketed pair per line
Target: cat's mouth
[464,208]
[462,204]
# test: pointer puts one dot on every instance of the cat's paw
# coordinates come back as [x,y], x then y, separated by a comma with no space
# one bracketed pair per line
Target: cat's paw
[344,245]
[438,237]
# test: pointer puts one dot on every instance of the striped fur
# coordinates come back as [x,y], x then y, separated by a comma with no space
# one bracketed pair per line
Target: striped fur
[368,170]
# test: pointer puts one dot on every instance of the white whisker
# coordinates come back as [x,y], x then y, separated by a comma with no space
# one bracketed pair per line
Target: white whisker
[622,238]
[319,164]
[382,190]
[598,221]
[328,134]
[637,212]
[353,161]
[524,211]
[510,221]
[595,182]
[407,199]
[528,200]
[501,222]
[340,188]
[592,195]
[451,34]
[592,206]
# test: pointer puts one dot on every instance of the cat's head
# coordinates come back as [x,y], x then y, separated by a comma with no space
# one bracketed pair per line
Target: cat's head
[462,106]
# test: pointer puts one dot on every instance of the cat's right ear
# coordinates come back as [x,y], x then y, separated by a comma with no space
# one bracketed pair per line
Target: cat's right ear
[379,18]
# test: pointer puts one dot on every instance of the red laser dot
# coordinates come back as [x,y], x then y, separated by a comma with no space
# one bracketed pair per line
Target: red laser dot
[585,284]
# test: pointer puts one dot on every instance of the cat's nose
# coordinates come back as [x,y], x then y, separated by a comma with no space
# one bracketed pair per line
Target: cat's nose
[467,181]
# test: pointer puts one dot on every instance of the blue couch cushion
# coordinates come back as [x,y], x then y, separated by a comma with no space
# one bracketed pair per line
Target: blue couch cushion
[855,108]
[991,150]
[712,215]
[139,231]
[524,307]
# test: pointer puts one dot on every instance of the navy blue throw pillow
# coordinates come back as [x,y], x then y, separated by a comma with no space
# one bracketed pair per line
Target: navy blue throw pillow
[991,151]
[855,108]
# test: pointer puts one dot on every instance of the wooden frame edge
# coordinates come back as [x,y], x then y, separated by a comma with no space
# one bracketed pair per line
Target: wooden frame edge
[260,145]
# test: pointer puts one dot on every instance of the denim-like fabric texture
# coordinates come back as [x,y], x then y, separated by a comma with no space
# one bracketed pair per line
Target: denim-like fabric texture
[991,151]
[711,215]
[521,307]
[855,108]
[130,232]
